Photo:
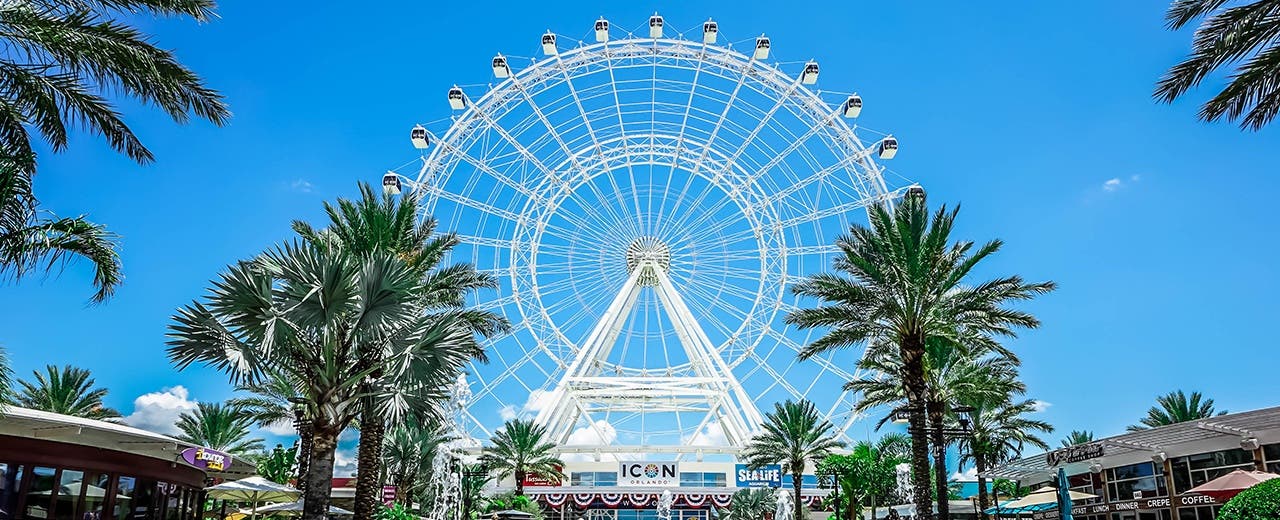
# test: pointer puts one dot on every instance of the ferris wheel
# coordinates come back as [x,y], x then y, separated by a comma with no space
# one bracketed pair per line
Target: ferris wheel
[646,200]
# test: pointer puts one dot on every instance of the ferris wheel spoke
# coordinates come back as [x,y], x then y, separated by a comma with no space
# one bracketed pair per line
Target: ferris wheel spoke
[684,125]
[825,363]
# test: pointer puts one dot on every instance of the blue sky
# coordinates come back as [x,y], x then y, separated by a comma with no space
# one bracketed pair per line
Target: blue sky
[1036,116]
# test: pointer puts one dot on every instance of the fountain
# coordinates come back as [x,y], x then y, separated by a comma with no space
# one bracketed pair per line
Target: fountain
[445,485]
[784,509]
[664,504]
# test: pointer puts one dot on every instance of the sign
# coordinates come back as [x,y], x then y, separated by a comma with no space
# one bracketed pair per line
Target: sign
[388,495]
[205,458]
[648,474]
[1076,453]
[531,480]
[769,475]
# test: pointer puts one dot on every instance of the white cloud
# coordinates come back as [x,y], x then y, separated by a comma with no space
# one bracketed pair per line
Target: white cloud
[711,435]
[599,433]
[283,428]
[1112,184]
[1040,406]
[508,412]
[348,435]
[344,463]
[159,411]
[969,475]
[538,401]
[301,186]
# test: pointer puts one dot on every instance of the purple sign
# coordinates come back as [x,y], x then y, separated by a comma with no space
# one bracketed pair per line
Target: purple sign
[205,458]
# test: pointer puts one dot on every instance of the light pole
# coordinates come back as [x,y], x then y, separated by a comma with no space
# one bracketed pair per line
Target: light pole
[964,427]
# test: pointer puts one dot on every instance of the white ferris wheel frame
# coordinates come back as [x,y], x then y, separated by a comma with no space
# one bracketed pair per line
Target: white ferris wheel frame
[583,387]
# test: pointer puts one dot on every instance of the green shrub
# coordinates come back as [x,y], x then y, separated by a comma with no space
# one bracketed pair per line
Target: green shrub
[395,512]
[1260,502]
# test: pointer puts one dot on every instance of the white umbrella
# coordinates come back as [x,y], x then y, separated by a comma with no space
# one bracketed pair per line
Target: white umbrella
[1048,496]
[295,508]
[253,490]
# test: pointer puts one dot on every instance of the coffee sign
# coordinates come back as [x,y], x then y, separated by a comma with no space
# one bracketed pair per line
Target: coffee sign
[1076,453]
[205,458]
[648,474]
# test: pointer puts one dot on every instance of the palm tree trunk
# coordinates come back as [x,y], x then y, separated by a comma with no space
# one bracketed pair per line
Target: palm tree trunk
[797,482]
[982,485]
[939,443]
[519,475]
[912,353]
[319,474]
[305,432]
[369,464]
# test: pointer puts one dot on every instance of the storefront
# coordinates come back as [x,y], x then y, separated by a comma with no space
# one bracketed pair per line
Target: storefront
[56,467]
[1147,475]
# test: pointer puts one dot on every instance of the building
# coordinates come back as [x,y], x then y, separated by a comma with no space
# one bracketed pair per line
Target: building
[633,489]
[1145,475]
[58,467]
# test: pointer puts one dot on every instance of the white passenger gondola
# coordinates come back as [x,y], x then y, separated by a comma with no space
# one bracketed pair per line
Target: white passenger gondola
[709,31]
[419,137]
[915,191]
[762,48]
[655,26]
[853,106]
[500,68]
[456,100]
[602,30]
[888,148]
[810,74]
[549,44]
[391,183]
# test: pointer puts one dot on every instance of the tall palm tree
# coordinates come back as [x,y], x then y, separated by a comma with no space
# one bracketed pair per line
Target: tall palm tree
[978,368]
[308,315]
[900,282]
[386,224]
[794,435]
[1230,33]
[519,449]
[67,56]
[275,399]
[999,432]
[1077,437]
[68,391]
[35,241]
[1175,407]
[223,427]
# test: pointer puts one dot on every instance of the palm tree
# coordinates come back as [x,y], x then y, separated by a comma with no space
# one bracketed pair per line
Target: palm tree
[998,433]
[221,427]
[1175,407]
[751,504]
[276,399]
[1229,34]
[68,391]
[385,224]
[69,55]
[905,284]
[7,395]
[519,449]
[954,373]
[1077,437]
[794,435]
[308,315]
[408,455]
[35,241]
[868,474]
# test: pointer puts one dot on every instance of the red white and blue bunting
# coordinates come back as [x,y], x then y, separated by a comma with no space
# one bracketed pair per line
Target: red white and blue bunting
[695,499]
[555,499]
[721,500]
[611,499]
[583,499]
[639,499]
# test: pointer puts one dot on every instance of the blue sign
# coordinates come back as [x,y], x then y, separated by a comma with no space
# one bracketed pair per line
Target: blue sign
[765,476]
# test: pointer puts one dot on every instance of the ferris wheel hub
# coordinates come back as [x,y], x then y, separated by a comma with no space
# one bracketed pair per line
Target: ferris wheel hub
[648,248]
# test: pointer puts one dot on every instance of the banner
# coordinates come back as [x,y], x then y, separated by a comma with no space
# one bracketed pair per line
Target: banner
[531,480]
[658,474]
[769,475]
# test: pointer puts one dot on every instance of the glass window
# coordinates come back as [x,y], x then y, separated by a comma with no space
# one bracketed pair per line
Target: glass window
[124,492]
[1194,470]
[10,486]
[144,503]
[40,493]
[70,487]
[95,496]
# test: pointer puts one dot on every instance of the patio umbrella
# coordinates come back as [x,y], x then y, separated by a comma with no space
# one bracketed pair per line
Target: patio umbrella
[253,490]
[1231,484]
[1039,498]
[295,508]
[1064,495]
